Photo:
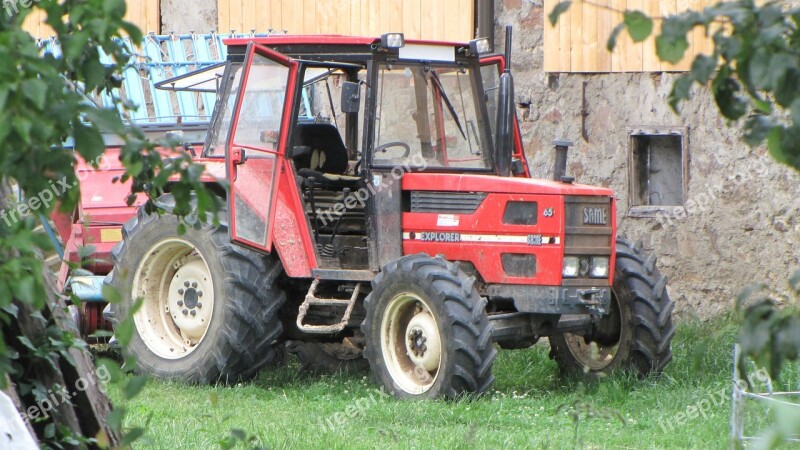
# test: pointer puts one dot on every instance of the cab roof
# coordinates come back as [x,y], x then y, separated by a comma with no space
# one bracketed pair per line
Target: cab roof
[326,39]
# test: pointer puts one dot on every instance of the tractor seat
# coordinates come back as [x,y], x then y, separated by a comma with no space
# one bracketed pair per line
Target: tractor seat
[319,152]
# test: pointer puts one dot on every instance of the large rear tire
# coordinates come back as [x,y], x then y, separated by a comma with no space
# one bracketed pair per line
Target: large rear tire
[427,332]
[637,332]
[210,308]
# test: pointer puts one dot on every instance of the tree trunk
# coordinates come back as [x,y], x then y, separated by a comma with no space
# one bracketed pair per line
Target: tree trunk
[74,397]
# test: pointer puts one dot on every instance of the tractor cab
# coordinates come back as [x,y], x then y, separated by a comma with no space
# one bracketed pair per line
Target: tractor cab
[329,129]
[324,132]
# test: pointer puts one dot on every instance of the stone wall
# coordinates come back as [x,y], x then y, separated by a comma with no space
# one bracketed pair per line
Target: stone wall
[741,224]
[183,16]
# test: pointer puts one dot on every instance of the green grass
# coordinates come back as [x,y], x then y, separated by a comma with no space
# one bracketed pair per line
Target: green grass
[284,408]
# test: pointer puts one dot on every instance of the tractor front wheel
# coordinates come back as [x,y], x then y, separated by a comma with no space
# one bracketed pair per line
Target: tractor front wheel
[427,332]
[636,333]
[209,308]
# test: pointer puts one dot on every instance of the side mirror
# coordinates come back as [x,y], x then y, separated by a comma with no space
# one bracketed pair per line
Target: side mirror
[351,97]
[504,142]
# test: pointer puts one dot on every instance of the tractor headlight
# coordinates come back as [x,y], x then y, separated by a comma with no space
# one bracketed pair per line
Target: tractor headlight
[479,46]
[600,267]
[571,265]
[392,40]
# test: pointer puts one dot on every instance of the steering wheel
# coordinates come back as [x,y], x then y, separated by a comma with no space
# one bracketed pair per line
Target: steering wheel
[383,147]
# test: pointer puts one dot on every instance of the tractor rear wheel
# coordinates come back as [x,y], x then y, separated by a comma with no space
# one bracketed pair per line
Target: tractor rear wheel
[637,332]
[427,332]
[210,308]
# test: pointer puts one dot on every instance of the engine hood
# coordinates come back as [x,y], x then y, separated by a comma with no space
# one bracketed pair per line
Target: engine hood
[459,182]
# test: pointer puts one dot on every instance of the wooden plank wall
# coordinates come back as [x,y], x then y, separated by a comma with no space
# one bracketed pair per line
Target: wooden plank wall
[578,41]
[146,14]
[451,20]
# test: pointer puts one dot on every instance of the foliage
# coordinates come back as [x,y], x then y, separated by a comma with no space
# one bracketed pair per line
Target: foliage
[43,103]
[770,336]
[753,72]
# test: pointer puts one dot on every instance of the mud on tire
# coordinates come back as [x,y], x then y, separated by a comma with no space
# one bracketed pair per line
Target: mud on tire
[242,321]
[418,297]
[638,330]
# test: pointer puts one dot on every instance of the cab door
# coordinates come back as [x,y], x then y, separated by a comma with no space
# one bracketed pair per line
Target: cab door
[257,144]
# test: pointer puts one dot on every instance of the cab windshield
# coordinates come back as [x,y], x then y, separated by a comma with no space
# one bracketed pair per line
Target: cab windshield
[429,116]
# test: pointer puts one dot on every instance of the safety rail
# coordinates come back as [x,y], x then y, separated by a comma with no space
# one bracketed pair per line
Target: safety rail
[159,58]
[769,399]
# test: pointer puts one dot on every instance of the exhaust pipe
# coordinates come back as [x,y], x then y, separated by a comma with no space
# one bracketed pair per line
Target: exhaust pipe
[560,166]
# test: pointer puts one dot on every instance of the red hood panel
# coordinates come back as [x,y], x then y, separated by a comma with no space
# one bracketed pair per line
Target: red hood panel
[490,183]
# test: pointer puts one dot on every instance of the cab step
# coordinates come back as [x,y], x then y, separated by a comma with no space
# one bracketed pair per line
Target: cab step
[312,300]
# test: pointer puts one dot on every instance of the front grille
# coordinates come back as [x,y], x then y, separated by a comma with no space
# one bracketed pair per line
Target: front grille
[586,234]
[446,202]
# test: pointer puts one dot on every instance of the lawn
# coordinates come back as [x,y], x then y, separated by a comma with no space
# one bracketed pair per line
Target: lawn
[529,407]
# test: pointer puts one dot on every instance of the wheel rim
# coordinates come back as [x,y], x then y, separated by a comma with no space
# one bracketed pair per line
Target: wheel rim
[594,355]
[177,289]
[411,343]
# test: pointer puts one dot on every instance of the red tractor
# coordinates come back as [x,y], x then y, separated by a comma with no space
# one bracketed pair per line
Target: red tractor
[380,204]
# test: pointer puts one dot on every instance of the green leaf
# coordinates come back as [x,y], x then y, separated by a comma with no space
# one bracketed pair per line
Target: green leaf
[134,168]
[110,293]
[671,49]
[726,90]
[774,144]
[124,332]
[639,25]
[115,418]
[795,111]
[35,90]
[132,30]
[747,293]
[131,436]
[105,119]
[88,141]
[703,67]
[27,343]
[759,69]
[763,106]
[24,289]
[794,281]
[22,126]
[681,90]
[756,130]
[612,39]
[75,44]
[134,386]
[4,90]
[559,9]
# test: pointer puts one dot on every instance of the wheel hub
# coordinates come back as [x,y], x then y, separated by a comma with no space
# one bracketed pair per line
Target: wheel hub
[186,290]
[423,345]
